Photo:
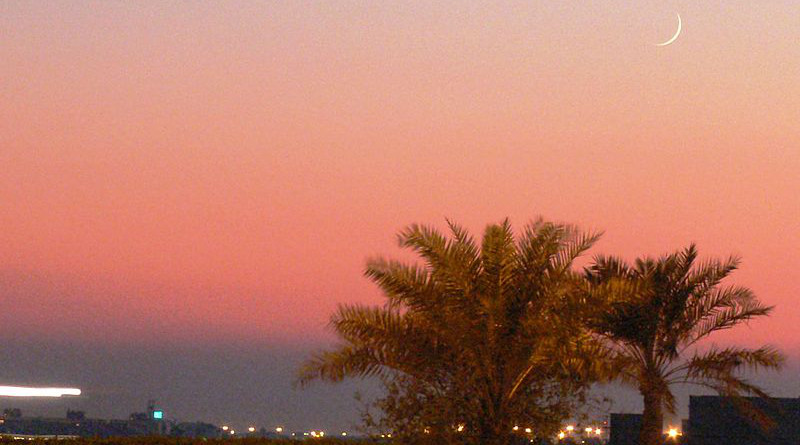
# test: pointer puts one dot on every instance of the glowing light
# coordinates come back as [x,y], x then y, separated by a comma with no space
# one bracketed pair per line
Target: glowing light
[279,429]
[460,428]
[225,428]
[251,429]
[516,427]
[343,433]
[598,431]
[673,433]
[528,430]
[570,428]
[561,435]
[22,391]
[588,429]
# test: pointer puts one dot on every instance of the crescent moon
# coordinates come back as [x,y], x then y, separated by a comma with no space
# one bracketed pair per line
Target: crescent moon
[677,33]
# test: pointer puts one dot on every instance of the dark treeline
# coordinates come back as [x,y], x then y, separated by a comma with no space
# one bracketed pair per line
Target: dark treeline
[156,440]
[481,336]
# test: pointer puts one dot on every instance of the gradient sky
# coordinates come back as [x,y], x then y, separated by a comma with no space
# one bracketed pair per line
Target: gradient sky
[199,183]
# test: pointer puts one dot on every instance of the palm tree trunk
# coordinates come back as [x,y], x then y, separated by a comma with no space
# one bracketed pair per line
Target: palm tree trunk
[493,427]
[495,438]
[494,432]
[652,420]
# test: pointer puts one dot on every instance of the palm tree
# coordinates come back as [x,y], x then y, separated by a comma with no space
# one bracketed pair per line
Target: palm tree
[479,326]
[654,314]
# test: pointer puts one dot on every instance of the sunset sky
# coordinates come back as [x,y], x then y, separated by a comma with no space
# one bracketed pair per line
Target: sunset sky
[188,189]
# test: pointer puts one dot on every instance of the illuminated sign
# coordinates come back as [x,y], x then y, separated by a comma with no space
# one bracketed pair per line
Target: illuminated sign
[158,414]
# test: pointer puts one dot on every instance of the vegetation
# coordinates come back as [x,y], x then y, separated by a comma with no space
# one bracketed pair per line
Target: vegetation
[160,440]
[497,342]
[475,339]
[653,313]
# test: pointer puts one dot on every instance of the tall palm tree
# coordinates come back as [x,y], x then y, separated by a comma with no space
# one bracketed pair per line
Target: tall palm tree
[653,315]
[487,327]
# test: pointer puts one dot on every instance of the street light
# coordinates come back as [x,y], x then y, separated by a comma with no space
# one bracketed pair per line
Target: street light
[673,433]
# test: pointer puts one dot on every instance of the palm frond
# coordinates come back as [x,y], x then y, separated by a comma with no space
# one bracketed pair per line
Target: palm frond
[724,311]
[334,366]
[407,284]
[719,366]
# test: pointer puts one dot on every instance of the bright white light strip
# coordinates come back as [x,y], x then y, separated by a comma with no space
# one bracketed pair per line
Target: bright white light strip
[23,391]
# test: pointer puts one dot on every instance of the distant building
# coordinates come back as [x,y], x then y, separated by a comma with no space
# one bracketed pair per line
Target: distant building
[716,420]
[12,413]
[197,430]
[624,429]
[75,423]
[75,416]
[43,426]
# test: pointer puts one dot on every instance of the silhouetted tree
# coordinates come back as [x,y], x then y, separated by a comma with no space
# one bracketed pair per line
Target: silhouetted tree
[473,340]
[652,315]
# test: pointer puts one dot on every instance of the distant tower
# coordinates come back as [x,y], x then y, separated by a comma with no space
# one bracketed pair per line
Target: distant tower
[153,412]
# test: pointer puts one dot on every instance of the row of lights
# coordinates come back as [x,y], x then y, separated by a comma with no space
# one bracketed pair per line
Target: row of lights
[516,428]
[672,432]
[279,430]
[588,430]
[322,434]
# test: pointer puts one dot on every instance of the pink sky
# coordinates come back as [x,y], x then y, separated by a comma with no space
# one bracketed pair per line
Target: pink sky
[208,172]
